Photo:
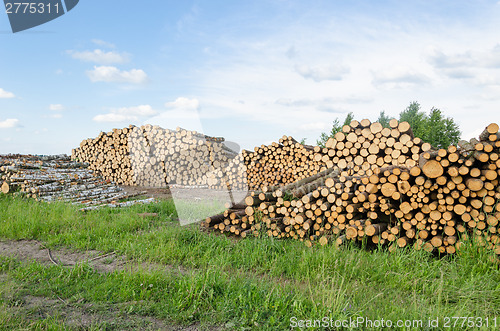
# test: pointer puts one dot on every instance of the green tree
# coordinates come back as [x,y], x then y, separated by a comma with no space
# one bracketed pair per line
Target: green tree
[415,117]
[438,130]
[435,128]
[336,127]
[383,119]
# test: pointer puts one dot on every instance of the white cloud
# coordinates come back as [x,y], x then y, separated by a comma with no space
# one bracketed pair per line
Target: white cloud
[100,57]
[478,66]
[112,74]
[56,107]
[126,114]
[470,58]
[440,60]
[183,103]
[322,73]
[9,123]
[6,95]
[103,43]
[459,73]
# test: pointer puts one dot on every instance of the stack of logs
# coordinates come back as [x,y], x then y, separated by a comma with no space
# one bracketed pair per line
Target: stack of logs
[154,157]
[57,178]
[382,186]
[280,163]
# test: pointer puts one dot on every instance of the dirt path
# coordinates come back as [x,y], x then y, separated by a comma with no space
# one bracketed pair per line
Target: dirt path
[76,314]
[26,250]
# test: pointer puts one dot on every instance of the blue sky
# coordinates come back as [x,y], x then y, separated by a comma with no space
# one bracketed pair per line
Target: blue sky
[248,71]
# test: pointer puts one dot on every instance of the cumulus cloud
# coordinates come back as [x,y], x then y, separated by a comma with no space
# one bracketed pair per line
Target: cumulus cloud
[183,103]
[322,73]
[183,112]
[100,57]
[111,74]
[126,114]
[6,95]
[9,123]
[56,107]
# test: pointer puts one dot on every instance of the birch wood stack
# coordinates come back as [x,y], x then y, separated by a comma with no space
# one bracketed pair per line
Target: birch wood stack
[154,157]
[57,178]
[385,186]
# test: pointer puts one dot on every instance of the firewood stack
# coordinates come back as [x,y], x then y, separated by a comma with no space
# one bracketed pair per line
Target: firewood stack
[107,155]
[279,163]
[57,178]
[385,186]
[154,157]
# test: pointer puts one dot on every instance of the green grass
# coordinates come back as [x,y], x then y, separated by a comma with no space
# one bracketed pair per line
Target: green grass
[192,211]
[253,283]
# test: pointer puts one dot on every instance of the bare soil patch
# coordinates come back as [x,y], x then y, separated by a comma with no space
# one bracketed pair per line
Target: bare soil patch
[27,250]
[79,314]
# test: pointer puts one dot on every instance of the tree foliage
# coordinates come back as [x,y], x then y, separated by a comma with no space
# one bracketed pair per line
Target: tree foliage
[435,128]
[336,127]
[415,117]
[438,130]
[383,119]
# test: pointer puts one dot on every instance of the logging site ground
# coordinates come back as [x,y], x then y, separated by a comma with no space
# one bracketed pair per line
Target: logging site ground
[136,268]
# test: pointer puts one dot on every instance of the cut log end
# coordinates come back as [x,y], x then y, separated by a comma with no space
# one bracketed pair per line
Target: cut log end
[5,188]
[432,169]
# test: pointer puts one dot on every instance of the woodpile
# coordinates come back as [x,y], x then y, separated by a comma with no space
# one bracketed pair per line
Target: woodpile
[57,178]
[382,186]
[107,155]
[279,163]
[155,157]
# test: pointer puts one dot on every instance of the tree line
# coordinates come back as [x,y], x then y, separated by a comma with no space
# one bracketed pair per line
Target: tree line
[435,128]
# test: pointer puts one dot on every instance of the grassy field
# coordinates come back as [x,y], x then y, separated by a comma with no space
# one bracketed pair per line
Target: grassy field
[210,281]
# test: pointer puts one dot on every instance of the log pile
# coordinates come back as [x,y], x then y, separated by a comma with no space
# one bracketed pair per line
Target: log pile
[155,157]
[279,163]
[57,178]
[383,186]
